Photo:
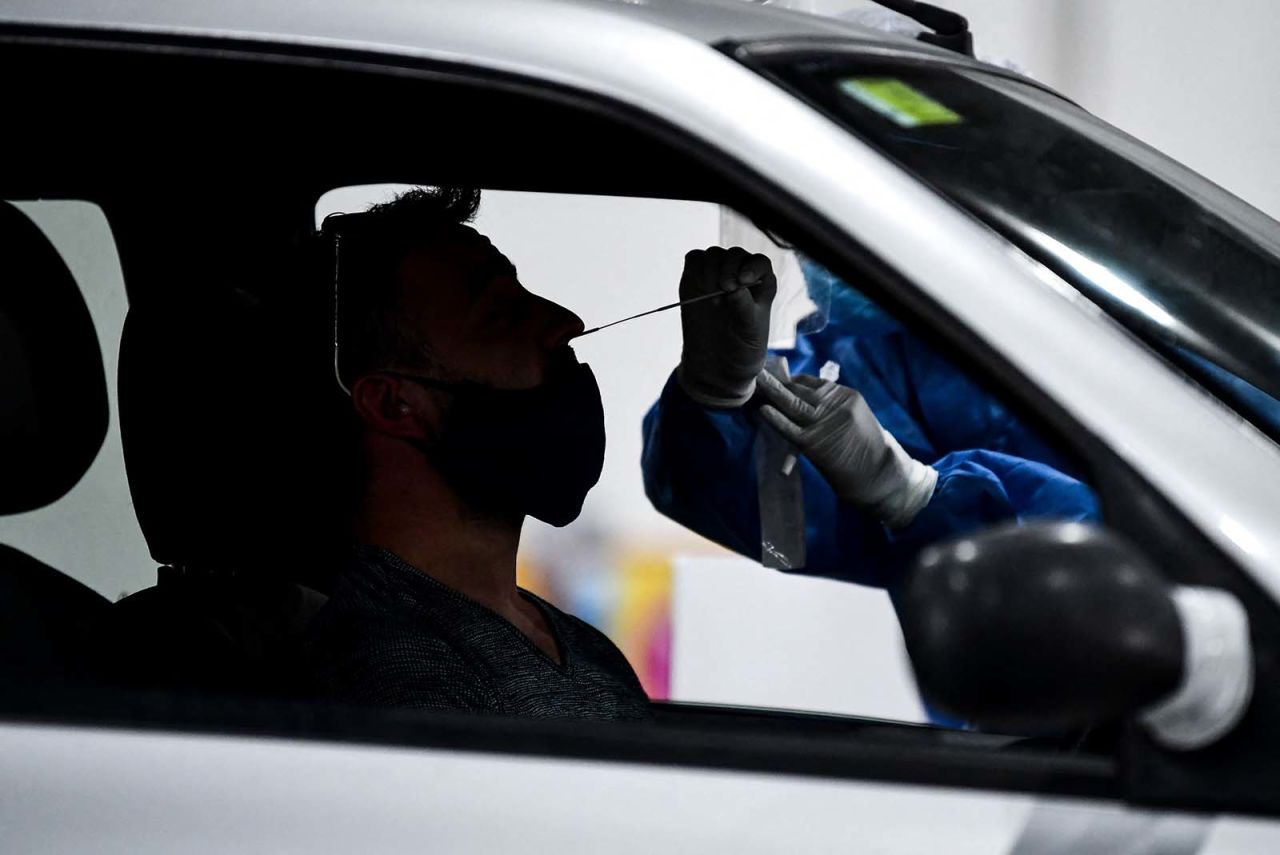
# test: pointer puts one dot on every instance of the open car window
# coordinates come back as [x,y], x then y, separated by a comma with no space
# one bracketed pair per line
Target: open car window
[684,609]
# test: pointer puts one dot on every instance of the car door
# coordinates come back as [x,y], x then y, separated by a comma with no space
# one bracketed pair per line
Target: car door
[256,772]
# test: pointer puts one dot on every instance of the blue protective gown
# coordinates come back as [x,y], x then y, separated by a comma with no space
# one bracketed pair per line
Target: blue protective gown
[699,467]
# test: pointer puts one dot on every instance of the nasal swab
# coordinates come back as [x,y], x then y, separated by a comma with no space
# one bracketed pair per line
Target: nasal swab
[688,302]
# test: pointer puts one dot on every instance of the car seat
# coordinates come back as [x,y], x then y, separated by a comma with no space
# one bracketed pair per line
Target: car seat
[232,483]
[53,419]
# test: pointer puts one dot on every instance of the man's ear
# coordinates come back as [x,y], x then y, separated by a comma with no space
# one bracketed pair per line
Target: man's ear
[395,407]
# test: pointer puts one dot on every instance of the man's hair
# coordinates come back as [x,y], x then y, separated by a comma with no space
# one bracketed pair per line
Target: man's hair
[373,332]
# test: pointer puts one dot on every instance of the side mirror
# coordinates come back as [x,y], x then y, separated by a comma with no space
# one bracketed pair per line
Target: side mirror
[1051,627]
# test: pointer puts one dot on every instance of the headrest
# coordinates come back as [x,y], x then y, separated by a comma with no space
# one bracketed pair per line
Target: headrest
[53,390]
[230,455]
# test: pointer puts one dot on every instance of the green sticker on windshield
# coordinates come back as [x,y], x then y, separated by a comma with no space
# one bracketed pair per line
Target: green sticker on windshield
[904,104]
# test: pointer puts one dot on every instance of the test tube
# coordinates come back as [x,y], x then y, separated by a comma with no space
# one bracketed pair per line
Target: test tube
[830,372]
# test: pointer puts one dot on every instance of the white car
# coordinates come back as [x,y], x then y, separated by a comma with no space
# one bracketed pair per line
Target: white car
[1125,306]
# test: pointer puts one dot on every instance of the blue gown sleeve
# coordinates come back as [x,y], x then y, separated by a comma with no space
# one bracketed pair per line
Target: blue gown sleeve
[699,471]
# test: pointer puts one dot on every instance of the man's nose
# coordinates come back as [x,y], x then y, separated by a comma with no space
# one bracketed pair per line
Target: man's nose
[562,325]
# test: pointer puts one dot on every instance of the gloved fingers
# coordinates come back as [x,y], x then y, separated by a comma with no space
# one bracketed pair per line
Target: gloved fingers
[716,269]
[783,425]
[785,400]
[810,381]
[755,269]
[804,387]
[704,272]
[738,283]
[766,290]
[731,263]
[820,392]
[805,392]
[693,281]
[757,274]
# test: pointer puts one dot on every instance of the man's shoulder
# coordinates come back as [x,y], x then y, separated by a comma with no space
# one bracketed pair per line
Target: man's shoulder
[367,631]
[369,657]
[378,586]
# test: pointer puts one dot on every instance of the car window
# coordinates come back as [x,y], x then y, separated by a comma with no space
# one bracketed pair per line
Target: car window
[91,532]
[647,561]
[685,610]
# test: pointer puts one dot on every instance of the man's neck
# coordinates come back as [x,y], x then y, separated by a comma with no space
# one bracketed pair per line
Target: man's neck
[407,508]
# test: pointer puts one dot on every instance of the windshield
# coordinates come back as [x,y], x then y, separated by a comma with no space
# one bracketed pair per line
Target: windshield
[1190,267]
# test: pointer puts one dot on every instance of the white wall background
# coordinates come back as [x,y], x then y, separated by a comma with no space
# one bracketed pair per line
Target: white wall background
[742,634]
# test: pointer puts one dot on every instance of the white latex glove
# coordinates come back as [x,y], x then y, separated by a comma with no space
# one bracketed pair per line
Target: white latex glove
[725,339]
[833,427]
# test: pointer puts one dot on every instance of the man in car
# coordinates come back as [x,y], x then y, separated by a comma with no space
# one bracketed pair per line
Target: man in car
[903,451]
[470,413]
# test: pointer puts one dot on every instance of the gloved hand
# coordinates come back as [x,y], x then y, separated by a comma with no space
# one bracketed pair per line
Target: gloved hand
[833,427]
[725,339]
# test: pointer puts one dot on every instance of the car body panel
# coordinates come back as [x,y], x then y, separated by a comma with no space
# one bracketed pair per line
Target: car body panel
[201,793]
[192,794]
[460,24]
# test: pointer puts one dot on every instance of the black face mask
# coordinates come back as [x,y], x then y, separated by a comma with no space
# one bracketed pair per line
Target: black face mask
[532,451]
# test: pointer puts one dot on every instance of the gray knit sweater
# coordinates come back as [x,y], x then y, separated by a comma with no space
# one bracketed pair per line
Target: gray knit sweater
[392,636]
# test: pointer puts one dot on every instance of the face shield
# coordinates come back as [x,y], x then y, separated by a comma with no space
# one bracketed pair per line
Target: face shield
[802,305]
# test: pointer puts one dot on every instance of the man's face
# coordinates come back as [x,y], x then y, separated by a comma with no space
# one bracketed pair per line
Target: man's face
[466,301]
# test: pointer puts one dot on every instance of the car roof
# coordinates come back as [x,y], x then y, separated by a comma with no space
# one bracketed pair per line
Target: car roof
[413,27]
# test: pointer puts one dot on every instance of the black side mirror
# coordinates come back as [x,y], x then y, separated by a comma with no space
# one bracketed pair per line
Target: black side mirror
[1041,628]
